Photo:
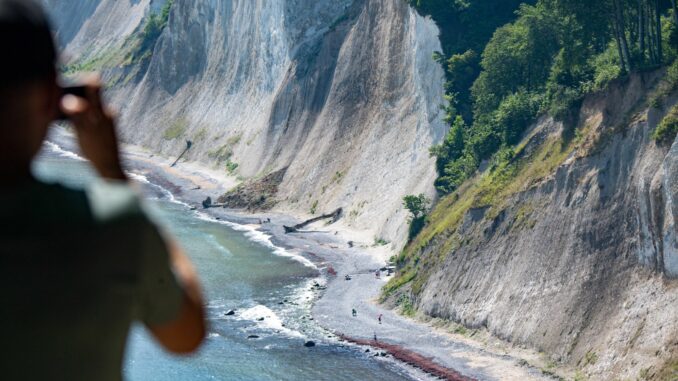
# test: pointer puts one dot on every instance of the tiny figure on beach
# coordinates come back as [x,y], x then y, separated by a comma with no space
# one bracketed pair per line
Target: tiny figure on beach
[268,220]
[347,277]
[375,336]
[379,318]
[354,312]
[377,274]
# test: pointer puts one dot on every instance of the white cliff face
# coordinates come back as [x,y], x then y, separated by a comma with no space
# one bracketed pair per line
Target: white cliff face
[93,28]
[344,94]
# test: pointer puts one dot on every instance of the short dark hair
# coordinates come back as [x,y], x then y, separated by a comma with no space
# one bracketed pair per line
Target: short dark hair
[26,38]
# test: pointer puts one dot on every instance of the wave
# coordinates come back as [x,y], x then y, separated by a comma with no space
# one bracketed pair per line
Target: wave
[169,196]
[254,235]
[270,320]
[62,152]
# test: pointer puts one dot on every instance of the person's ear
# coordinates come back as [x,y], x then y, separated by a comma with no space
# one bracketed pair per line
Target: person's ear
[52,99]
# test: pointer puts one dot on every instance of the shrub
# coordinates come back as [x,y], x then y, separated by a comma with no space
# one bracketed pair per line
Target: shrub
[668,128]
[606,67]
[514,115]
[231,167]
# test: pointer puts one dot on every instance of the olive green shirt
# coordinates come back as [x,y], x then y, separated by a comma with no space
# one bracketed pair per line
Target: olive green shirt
[76,269]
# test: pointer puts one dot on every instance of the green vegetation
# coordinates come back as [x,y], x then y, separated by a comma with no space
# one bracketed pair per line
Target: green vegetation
[176,130]
[507,63]
[235,139]
[418,207]
[590,358]
[314,207]
[668,128]
[549,55]
[231,167]
[579,376]
[221,154]
[378,241]
[510,172]
[337,177]
[668,371]
[667,85]
[155,24]
[138,48]
[406,306]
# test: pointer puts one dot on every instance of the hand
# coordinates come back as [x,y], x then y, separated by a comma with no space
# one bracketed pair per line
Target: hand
[95,129]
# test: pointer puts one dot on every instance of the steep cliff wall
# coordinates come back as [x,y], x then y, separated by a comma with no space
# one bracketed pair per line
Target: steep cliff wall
[571,249]
[344,94]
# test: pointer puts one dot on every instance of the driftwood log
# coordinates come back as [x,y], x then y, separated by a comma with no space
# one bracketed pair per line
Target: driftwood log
[334,216]
[189,144]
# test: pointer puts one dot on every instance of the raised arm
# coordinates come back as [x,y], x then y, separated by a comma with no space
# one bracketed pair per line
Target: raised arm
[95,129]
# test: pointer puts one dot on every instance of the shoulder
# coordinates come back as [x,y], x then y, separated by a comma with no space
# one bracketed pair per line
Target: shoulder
[113,200]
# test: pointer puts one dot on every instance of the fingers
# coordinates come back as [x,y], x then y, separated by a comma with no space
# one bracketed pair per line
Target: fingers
[89,110]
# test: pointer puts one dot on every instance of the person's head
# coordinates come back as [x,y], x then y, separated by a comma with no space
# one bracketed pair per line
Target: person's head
[29,94]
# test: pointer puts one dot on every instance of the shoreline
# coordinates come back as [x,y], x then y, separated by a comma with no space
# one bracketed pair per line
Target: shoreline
[419,345]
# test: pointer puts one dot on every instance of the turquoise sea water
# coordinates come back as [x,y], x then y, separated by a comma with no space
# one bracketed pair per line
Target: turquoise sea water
[239,270]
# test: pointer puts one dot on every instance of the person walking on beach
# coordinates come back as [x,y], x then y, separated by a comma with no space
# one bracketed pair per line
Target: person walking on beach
[379,318]
[354,312]
[77,268]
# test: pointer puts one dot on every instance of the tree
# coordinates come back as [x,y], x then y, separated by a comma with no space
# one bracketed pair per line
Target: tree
[418,207]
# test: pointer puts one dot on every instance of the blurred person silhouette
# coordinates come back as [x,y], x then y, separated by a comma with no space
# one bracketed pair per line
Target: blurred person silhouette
[76,267]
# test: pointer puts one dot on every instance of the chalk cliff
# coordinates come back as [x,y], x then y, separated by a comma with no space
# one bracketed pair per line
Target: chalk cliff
[342,94]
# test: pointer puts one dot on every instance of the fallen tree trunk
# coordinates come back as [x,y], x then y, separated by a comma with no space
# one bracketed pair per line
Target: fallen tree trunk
[334,216]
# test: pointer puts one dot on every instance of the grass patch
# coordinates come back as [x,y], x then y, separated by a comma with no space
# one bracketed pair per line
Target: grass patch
[523,218]
[590,358]
[666,130]
[98,62]
[314,207]
[235,139]
[221,154]
[579,376]
[378,241]
[668,371]
[176,130]
[396,283]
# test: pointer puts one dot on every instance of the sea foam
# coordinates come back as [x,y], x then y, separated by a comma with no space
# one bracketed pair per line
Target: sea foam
[271,321]
[62,152]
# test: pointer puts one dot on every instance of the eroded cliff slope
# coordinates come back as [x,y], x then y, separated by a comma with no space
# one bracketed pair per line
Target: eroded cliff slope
[342,95]
[571,247]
